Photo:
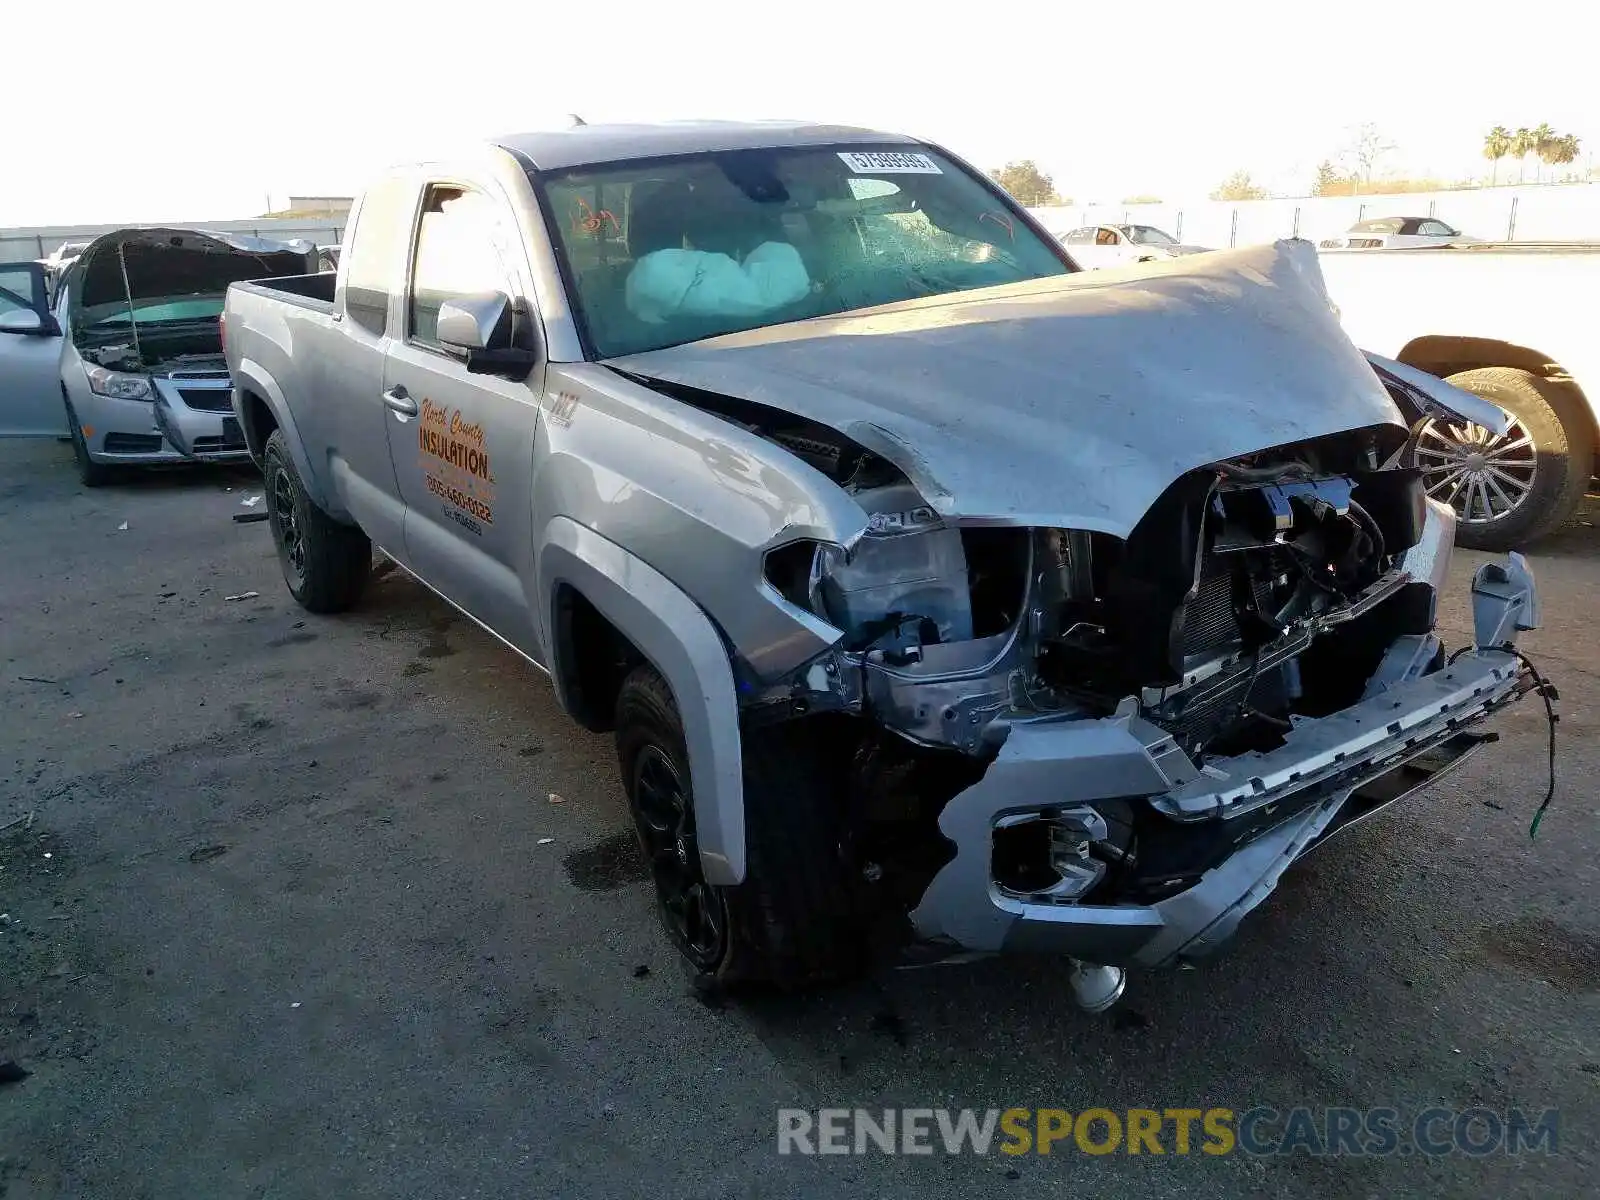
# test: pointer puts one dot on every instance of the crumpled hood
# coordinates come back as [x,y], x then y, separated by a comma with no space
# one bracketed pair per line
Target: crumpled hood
[1073,401]
[164,263]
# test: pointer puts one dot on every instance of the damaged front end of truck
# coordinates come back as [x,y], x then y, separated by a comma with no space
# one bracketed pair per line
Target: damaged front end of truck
[1144,605]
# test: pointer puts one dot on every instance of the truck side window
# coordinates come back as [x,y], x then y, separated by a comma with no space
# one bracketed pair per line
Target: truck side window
[457,255]
[375,247]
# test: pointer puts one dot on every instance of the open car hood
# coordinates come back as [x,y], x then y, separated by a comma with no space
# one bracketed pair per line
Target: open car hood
[1072,401]
[163,263]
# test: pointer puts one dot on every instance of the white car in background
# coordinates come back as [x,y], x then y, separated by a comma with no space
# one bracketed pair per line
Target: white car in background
[1095,246]
[1396,233]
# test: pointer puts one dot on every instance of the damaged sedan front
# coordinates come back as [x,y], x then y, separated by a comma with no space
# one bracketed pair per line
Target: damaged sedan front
[142,373]
[1144,605]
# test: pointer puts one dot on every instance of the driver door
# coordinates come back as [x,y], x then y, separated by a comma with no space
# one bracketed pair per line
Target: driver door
[462,443]
[30,356]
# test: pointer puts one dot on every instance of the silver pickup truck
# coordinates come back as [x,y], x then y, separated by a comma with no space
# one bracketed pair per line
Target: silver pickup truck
[943,599]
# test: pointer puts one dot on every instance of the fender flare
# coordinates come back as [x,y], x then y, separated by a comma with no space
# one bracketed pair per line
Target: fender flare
[677,637]
[249,376]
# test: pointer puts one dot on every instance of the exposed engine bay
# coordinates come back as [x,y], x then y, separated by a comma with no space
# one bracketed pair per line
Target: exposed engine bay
[1253,591]
[148,300]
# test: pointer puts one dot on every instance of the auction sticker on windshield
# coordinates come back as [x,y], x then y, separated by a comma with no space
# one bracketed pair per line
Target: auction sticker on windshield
[889,162]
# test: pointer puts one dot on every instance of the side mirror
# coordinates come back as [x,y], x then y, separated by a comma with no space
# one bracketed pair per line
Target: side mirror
[479,327]
[481,322]
[22,320]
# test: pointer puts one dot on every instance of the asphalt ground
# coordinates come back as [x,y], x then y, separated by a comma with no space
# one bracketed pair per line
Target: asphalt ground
[345,907]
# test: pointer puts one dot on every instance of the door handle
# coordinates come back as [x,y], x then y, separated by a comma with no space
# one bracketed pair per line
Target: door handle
[398,400]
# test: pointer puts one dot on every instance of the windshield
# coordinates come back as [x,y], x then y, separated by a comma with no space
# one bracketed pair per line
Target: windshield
[187,308]
[1148,235]
[661,252]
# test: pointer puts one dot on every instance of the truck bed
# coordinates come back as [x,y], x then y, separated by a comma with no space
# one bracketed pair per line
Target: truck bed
[303,291]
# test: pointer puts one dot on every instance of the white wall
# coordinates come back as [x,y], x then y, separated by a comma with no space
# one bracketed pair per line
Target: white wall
[1555,212]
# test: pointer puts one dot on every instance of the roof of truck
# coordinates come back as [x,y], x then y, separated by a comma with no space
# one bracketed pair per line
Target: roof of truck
[585,144]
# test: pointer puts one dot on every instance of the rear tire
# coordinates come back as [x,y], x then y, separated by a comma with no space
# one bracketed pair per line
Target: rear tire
[325,562]
[90,473]
[790,923]
[1560,448]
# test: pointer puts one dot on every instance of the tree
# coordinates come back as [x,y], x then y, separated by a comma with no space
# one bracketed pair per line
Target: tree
[1560,150]
[1142,199]
[1364,150]
[1330,181]
[1239,186]
[1542,139]
[1521,147]
[1028,185]
[1496,145]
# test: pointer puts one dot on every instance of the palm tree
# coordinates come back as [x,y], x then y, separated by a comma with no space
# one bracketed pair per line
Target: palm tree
[1542,139]
[1560,150]
[1521,146]
[1496,145]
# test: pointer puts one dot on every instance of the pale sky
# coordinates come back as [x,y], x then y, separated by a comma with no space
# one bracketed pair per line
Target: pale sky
[167,110]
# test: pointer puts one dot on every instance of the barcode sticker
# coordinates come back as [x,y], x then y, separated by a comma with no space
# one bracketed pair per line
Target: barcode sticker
[889,162]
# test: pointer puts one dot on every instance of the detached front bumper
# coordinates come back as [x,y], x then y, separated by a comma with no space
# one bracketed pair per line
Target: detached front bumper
[211,435]
[1262,811]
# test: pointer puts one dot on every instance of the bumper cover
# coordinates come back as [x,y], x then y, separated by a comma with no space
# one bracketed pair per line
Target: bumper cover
[196,435]
[1329,773]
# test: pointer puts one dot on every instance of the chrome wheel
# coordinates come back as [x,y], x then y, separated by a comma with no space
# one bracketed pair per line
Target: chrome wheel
[1484,476]
[696,913]
[286,526]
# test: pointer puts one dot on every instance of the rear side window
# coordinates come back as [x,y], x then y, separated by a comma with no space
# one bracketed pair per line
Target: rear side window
[376,252]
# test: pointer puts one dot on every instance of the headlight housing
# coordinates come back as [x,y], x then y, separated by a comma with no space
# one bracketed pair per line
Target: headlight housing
[119,386]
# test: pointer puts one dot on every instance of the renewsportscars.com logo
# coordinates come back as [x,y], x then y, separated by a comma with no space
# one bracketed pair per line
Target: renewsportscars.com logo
[1375,1132]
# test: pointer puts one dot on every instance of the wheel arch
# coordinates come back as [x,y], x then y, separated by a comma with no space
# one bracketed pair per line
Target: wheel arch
[1445,355]
[659,622]
[263,408]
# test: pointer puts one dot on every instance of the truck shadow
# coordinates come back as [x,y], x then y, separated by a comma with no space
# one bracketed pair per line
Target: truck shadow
[1579,537]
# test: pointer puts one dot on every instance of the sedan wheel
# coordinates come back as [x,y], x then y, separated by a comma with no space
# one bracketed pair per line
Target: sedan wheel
[1485,476]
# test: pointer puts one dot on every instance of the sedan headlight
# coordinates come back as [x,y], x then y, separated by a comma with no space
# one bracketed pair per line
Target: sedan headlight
[118,385]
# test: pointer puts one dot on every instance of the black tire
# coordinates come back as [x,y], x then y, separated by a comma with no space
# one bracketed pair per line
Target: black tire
[325,562]
[1552,417]
[789,924]
[90,473]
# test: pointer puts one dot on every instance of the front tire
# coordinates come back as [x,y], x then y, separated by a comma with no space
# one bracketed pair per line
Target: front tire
[789,923]
[90,473]
[325,562]
[1510,489]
